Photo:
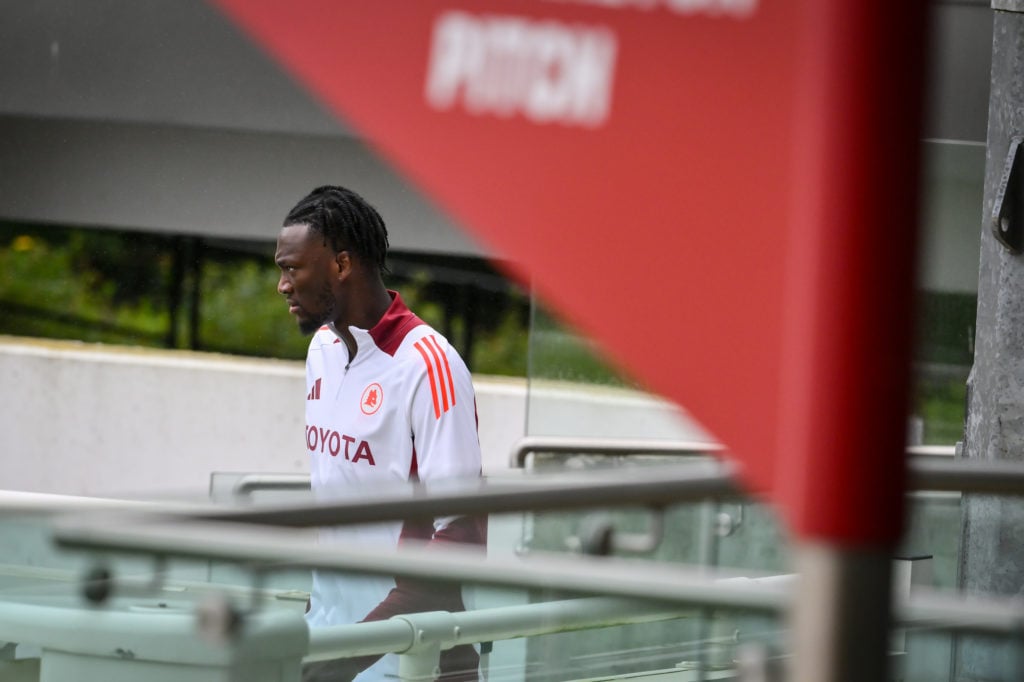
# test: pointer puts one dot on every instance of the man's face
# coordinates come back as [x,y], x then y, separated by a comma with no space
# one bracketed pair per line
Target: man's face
[308,276]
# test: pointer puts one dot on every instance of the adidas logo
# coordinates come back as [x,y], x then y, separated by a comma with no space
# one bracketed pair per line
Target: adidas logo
[314,393]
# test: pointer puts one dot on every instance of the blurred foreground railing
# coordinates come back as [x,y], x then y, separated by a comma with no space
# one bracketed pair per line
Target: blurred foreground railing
[267,549]
[202,534]
[653,487]
[252,537]
[419,638]
[930,468]
[571,445]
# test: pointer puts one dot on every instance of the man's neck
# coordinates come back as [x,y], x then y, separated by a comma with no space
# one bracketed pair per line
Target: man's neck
[372,306]
[367,310]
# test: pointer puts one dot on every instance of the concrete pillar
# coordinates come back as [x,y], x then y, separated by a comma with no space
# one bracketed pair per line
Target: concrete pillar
[992,530]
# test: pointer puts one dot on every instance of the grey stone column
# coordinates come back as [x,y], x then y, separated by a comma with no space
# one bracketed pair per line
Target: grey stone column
[992,530]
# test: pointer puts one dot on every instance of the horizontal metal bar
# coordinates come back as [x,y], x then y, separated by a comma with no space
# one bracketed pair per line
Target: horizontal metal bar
[250,483]
[608,446]
[489,625]
[966,476]
[278,548]
[569,445]
[17,501]
[931,450]
[543,618]
[359,639]
[931,609]
[647,486]
[529,620]
[169,637]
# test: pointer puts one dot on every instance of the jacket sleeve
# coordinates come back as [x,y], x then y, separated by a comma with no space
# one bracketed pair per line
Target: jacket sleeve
[442,414]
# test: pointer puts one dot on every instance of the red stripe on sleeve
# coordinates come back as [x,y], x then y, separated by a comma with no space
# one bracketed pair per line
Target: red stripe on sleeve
[447,368]
[430,373]
[440,371]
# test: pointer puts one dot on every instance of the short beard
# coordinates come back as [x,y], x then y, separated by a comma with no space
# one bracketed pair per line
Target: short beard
[307,327]
[326,302]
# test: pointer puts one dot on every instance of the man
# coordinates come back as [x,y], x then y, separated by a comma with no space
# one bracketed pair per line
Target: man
[388,399]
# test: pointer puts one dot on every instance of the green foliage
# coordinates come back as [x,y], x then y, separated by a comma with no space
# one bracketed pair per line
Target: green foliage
[940,403]
[945,324]
[49,290]
[504,350]
[127,267]
[943,354]
[241,312]
[559,354]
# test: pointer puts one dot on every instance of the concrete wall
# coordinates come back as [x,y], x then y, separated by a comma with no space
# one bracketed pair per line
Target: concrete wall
[83,419]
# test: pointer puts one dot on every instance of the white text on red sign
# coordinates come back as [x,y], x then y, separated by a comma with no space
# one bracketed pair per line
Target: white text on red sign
[712,8]
[546,71]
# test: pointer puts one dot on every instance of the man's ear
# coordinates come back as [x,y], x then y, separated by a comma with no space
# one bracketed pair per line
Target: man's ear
[344,262]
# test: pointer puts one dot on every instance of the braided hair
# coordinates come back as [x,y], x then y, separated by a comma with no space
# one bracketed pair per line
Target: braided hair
[346,221]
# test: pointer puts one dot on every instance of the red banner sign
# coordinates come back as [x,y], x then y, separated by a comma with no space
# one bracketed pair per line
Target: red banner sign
[719,191]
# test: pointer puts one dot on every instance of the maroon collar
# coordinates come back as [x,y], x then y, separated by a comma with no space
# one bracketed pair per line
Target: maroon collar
[393,327]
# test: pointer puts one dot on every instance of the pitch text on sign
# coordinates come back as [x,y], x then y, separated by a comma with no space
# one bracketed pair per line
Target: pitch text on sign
[546,71]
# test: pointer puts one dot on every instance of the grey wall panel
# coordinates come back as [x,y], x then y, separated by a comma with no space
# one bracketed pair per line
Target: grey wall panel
[165,61]
[194,181]
[959,61]
[953,177]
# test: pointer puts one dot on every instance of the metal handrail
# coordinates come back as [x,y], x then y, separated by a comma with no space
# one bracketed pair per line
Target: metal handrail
[561,445]
[932,450]
[488,625]
[17,501]
[250,483]
[270,548]
[247,484]
[695,483]
[265,549]
[646,486]
[966,476]
[571,445]
[359,639]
